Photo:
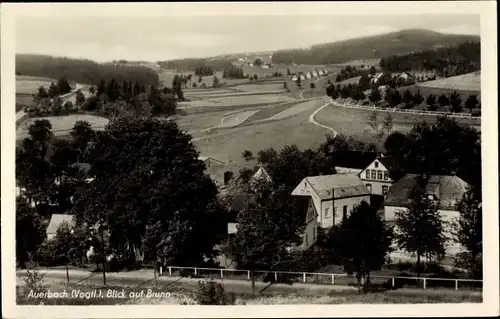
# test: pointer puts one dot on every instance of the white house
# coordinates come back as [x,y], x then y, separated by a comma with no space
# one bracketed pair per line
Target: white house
[260,175]
[334,196]
[265,66]
[321,72]
[214,168]
[406,76]
[308,75]
[315,74]
[444,190]
[376,176]
[294,78]
[302,77]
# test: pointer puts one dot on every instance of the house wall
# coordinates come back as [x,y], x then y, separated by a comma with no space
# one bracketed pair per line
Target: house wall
[305,189]
[376,182]
[310,235]
[336,207]
[448,216]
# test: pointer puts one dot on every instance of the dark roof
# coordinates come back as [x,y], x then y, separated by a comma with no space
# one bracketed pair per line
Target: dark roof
[337,186]
[448,190]
[353,159]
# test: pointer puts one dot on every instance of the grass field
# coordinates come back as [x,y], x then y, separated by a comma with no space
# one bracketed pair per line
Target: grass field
[228,101]
[166,77]
[353,122]
[465,85]
[26,86]
[227,145]
[61,125]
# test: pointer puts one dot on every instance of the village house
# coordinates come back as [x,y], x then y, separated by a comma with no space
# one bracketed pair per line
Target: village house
[406,76]
[445,191]
[308,75]
[302,77]
[294,78]
[377,78]
[352,162]
[321,72]
[334,196]
[315,74]
[376,176]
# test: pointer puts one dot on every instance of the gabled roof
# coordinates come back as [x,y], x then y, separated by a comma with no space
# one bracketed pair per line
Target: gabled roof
[56,221]
[353,159]
[448,190]
[337,186]
[206,158]
[347,170]
[389,162]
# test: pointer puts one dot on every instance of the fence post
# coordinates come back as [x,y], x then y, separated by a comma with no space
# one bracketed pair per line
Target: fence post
[195,272]
[170,271]
[333,279]
[161,270]
[275,276]
[222,273]
[393,284]
[425,283]
[248,274]
[304,277]
[362,281]
[456,284]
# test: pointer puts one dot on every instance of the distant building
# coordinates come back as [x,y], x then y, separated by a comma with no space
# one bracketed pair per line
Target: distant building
[334,196]
[406,76]
[321,72]
[315,74]
[56,220]
[214,168]
[294,78]
[308,75]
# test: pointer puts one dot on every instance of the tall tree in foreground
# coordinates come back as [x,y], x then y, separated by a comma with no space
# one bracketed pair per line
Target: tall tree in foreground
[420,229]
[147,171]
[469,233]
[30,232]
[267,227]
[361,243]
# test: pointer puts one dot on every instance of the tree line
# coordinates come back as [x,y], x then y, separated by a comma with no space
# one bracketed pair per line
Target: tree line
[193,64]
[445,62]
[81,70]
[407,100]
[145,172]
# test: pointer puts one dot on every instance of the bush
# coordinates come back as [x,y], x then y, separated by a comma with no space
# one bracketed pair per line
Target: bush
[312,85]
[433,108]
[33,279]
[210,292]
[476,112]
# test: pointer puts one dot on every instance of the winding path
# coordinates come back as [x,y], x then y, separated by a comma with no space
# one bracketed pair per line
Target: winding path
[313,121]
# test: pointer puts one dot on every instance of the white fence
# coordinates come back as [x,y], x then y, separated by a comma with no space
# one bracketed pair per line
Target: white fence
[321,278]
[353,105]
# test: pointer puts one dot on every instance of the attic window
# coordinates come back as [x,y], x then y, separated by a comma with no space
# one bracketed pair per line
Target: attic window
[376,164]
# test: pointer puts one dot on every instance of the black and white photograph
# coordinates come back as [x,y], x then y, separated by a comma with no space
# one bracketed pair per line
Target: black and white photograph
[249,156]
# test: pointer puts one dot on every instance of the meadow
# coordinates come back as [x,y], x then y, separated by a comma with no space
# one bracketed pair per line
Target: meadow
[26,86]
[61,125]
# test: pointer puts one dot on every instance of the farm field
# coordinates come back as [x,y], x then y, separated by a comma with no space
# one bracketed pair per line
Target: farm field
[464,82]
[227,145]
[465,85]
[26,86]
[353,122]
[237,100]
[260,87]
[166,77]
[61,125]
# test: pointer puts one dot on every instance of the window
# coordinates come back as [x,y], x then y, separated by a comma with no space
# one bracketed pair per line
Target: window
[374,174]
[367,173]
[379,174]
[384,190]
[369,186]
[386,175]
[376,164]
[302,192]
[314,233]
[327,210]
[344,212]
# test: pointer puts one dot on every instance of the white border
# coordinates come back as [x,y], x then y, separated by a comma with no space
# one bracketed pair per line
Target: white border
[487,12]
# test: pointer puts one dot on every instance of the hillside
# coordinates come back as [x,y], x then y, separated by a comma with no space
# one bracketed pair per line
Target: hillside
[80,70]
[372,47]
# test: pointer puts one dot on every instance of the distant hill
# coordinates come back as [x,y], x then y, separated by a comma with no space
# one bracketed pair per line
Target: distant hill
[81,70]
[372,47]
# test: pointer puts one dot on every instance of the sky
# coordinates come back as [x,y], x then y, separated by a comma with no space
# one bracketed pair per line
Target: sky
[171,37]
